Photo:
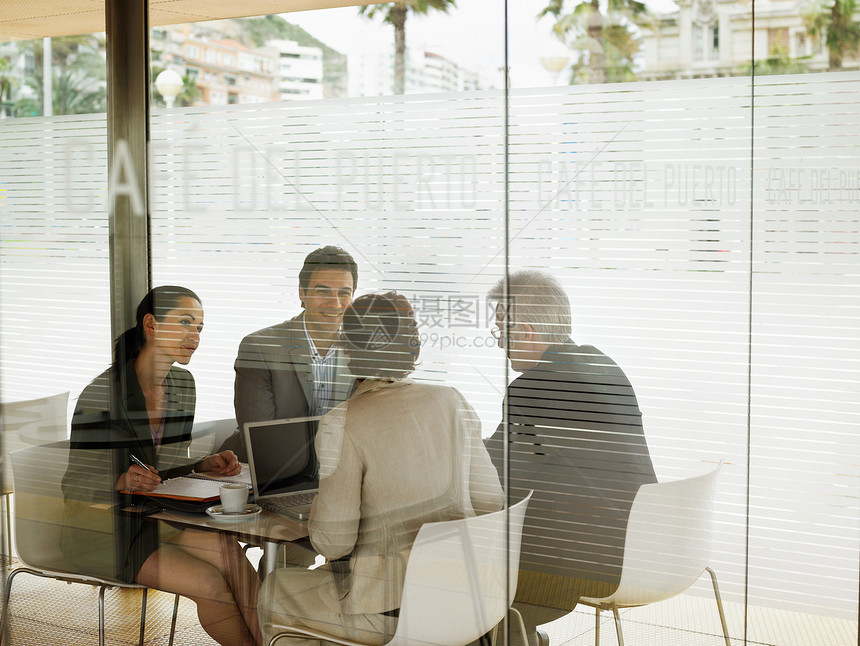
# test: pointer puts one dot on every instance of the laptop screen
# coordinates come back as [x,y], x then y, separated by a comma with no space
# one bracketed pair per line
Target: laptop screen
[281,455]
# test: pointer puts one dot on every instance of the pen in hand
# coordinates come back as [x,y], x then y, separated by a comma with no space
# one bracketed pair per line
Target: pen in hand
[140,463]
[137,481]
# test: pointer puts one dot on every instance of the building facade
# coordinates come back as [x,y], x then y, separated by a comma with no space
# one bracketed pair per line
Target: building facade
[226,71]
[709,38]
[372,74]
[299,70]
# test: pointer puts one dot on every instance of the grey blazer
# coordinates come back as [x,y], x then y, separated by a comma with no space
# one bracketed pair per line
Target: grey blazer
[274,379]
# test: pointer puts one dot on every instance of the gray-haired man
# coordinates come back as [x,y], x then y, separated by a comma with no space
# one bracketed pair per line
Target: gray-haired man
[575,437]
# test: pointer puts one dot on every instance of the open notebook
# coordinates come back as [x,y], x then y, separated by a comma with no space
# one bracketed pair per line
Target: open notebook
[196,487]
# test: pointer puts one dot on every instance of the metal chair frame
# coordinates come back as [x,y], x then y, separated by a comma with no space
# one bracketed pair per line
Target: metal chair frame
[598,607]
[102,585]
[30,563]
[667,548]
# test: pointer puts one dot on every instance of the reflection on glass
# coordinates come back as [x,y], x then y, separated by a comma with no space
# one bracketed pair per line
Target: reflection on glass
[723,287]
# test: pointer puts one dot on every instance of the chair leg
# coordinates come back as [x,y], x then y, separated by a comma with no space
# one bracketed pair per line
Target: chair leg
[4,617]
[4,628]
[173,620]
[143,616]
[495,631]
[618,626]
[7,529]
[720,606]
[596,626]
[522,626]
[102,615]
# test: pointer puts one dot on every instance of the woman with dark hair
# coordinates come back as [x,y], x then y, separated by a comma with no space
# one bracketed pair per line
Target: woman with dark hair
[397,454]
[143,407]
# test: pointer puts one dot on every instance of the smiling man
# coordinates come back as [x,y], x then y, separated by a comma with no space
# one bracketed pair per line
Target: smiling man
[295,368]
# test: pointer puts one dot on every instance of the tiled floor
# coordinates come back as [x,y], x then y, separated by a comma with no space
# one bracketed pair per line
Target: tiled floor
[689,620]
[45,611]
[48,612]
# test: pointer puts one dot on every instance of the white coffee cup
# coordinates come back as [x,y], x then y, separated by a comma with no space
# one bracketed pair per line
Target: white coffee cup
[234,497]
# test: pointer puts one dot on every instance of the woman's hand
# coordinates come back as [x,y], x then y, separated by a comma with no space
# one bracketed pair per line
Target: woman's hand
[138,479]
[223,464]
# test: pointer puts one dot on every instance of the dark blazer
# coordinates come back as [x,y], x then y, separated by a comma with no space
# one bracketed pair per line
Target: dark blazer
[109,423]
[576,438]
[274,378]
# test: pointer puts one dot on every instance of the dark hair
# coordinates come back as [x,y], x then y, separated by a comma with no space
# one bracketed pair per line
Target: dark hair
[158,302]
[380,336]
[329,257]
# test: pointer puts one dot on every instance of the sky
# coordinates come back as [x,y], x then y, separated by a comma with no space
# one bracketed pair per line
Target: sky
[471,34]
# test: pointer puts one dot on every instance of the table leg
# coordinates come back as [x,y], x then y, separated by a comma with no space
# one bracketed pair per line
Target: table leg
[270,558]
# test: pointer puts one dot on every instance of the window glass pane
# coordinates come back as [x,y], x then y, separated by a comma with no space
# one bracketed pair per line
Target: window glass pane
[642,215]
[803,331]
[411,186]
[625,239]
[702,226]
[240,198]
[804,339]
[54,309]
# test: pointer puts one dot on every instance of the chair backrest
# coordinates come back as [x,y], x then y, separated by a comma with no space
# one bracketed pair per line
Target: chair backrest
[37,473]
[668,540]
[461,578]
[34,421]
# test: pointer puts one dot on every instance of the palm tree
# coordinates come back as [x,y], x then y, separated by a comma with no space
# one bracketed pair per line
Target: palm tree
[78,73]
[189,92]
[610,41]
[75,93]
[7,84]
[395,14]
[835,22]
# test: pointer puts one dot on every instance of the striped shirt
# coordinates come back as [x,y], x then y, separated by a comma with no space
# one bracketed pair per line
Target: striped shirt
[324,370]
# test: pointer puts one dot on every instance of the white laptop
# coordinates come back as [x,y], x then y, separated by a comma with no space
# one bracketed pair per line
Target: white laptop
[283,462]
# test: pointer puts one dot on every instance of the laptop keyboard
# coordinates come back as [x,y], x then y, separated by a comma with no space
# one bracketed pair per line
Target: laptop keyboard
[280,504]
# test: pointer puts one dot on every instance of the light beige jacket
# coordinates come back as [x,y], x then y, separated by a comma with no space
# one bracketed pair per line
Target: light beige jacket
[394,456]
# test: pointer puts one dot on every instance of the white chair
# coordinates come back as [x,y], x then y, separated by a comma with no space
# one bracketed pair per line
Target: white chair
[27,422]
[460,580]
[37,473]
[36,421]
[667,547]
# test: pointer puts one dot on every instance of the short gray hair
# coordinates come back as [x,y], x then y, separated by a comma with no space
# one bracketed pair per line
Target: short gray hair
[538,299]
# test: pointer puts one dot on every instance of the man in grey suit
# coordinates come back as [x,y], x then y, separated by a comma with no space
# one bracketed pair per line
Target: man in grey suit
[295,368]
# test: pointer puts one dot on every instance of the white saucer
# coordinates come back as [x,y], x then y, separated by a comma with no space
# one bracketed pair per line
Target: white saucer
[217,512]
